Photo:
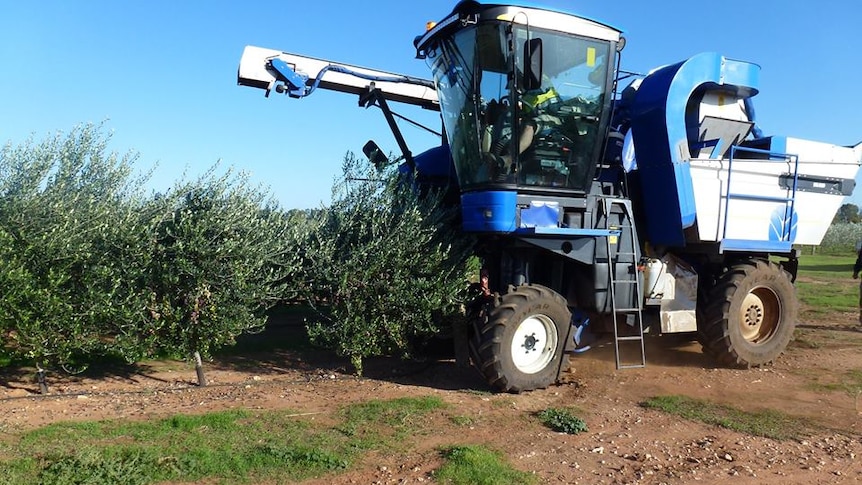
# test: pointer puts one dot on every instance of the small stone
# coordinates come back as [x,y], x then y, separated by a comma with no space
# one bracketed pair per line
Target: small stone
[727,457]
[599,450]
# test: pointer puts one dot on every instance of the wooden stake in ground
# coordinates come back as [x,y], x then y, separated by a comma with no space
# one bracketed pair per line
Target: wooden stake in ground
[41,379]
[199,368]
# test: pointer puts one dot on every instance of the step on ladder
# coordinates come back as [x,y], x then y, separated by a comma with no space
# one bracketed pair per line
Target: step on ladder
[623,271]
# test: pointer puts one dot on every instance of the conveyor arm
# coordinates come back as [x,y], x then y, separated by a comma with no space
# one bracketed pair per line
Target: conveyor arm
[299,76]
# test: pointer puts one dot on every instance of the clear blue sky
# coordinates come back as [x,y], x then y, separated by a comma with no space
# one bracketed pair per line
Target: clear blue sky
[162,74]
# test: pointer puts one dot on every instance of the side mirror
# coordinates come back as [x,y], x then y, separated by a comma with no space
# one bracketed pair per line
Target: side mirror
[375,155]
[622,45]
[533,64]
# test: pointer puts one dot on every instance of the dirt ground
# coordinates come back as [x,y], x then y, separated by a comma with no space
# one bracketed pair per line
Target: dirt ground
[626,443]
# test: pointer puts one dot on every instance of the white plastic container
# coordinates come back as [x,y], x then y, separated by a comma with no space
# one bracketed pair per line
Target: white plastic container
[653,270]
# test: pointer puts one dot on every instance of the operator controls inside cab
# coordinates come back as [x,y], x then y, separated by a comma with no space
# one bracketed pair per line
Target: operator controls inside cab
[524,94]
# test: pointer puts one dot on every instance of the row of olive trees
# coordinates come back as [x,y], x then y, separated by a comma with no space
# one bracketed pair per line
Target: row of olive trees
[843,234]
[841,238]
[93,265]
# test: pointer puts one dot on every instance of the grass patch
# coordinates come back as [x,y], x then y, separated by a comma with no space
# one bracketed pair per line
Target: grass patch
[463,421]
[477,392]
[377,423]
[826,285]
[849,382]
[827,265]
[562,421]
[477,465]
[804,339]
[767,423]
[236,446]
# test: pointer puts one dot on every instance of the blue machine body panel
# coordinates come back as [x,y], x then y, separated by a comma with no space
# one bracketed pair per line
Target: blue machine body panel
[433,169]
[660,137]
[489,211]
[436,163]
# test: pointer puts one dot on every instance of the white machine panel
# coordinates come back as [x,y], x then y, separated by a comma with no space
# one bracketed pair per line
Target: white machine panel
[254,71]
[758,220]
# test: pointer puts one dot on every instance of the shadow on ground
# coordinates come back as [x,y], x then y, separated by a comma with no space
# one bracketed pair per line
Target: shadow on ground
[284,348]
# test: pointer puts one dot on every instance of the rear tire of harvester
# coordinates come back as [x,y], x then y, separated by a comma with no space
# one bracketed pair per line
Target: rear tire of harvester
[748,317]
[521,344]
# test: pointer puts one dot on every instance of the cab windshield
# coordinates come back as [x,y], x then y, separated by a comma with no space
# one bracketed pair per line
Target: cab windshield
[503,134]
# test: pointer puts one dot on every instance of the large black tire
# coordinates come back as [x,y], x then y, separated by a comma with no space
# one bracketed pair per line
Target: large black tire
[521,344]
[748,317]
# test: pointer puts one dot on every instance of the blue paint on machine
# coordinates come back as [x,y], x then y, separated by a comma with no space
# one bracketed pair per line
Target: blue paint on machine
[489,211]
[661,141]
[781,227]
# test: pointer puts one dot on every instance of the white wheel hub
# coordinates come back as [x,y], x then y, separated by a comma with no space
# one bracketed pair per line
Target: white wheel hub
[759,315]
[534,343]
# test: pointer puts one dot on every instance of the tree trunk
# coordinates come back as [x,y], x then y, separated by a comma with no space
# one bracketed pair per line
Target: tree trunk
[41,379]
[199,368]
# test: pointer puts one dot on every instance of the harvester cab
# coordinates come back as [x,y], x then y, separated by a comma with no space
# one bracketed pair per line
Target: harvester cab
[659,209]
[525,97]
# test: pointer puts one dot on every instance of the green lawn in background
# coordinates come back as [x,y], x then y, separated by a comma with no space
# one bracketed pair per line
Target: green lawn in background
[825,284]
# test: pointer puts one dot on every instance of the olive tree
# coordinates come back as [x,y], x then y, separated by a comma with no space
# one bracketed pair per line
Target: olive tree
[68,246]
[90,265]
[220,258]
[383,264]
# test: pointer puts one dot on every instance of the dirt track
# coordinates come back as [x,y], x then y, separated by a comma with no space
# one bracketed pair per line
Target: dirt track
[625,443]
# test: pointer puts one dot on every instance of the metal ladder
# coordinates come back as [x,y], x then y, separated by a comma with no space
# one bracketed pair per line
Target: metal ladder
[630,277]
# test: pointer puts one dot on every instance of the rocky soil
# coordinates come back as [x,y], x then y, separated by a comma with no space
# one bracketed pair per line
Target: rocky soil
[626,443]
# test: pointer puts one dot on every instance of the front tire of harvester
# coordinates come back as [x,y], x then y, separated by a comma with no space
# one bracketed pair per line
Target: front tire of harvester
[522,343]
[750,315]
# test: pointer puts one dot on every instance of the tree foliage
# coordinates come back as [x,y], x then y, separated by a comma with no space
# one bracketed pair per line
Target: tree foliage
[219,259]
[89,265]
[847,213]
[67,229]
[383,265]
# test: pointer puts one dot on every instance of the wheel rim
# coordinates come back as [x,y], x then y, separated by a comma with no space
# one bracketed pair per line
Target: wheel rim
[534,344]
[759,315]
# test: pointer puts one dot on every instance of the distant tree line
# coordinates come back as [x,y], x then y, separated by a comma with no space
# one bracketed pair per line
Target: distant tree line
[91,265]
[847,213]
[843,234]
